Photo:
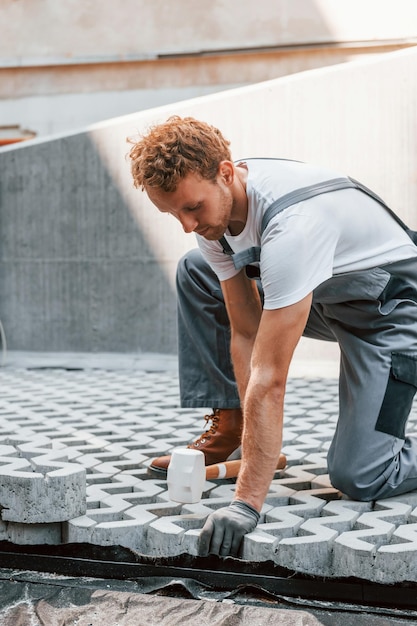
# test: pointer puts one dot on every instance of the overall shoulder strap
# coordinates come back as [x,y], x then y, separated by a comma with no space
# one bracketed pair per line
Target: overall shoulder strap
[227,249]
[299,195]
[411,233]
[304,193]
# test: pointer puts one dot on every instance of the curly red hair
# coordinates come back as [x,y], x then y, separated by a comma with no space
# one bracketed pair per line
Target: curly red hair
[169,151]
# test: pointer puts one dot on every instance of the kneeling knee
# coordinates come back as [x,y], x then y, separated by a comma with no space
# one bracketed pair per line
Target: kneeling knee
[352,485]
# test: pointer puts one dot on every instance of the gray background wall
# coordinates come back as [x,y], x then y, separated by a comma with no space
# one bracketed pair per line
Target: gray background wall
[76,272]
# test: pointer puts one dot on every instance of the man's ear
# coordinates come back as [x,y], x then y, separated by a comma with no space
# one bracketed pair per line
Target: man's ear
[226,172]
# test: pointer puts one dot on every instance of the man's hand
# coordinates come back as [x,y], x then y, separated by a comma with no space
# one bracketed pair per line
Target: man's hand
[224,529]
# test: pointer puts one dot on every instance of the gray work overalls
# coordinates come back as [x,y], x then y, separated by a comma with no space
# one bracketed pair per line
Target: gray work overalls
[372,314]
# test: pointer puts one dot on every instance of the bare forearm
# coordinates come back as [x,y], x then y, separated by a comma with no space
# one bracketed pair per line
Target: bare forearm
[261,443]
[244,309]
[262,431]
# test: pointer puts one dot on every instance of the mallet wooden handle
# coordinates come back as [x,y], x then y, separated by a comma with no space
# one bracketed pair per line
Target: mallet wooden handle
[230,469]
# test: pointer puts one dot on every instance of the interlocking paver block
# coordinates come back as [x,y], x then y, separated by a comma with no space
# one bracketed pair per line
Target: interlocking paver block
[355,551]
[46,489]
[166,536]
[398,559]
[312,548]
[31,534]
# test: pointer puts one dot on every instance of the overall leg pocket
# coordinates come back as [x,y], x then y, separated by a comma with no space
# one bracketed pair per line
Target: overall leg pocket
[399,394]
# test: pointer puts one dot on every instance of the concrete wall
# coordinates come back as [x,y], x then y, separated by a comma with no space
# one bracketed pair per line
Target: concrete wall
[88,264]
[67,64]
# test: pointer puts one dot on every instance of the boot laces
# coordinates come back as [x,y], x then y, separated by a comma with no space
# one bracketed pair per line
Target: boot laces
[214,418]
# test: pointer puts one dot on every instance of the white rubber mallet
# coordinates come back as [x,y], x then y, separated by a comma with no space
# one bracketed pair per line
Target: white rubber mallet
[187,474]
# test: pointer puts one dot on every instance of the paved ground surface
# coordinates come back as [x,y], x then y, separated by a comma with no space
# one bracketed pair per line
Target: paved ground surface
[111,415]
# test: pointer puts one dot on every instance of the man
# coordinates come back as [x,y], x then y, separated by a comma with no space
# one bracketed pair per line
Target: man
[334,264]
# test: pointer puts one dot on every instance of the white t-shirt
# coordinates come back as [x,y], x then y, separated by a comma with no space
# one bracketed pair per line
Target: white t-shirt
[307,243]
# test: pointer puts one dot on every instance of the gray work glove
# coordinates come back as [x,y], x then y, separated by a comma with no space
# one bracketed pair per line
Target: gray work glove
[224,529]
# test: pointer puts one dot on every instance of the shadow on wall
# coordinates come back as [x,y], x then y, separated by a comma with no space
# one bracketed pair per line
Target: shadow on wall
[76,272]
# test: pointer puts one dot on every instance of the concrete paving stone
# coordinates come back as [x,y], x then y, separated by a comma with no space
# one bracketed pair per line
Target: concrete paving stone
[129,533]
[132,459]
[141,474]
[306,448]
[8,451]
[140,441]
[31,534]
[304,437]
[90,462]
[292,433]
[293,454]
[397,560]
[108,509]
[323,417]
[111,424]
[300,476]
[120,435]
[162,507]
[311,551]
[302,503]
[206,506]
[129,530]
[224,490]
[336,515]
[143,492]
[311,548]
[318,458]
[373,529]
[85,445]
[403,540]
[98,478]
[165,536]
[40,486]
[286,525]
[41,446]
[178,437]
[322,481]
[309,442]
[154,449]
[120,483]
[302,424]
[258,546]
[110,452]
[324,432]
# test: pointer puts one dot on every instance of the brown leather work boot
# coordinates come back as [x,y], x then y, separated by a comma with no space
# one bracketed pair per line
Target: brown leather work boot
[217,443]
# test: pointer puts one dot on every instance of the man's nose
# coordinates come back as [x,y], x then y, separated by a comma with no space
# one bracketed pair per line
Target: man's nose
[188,223]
